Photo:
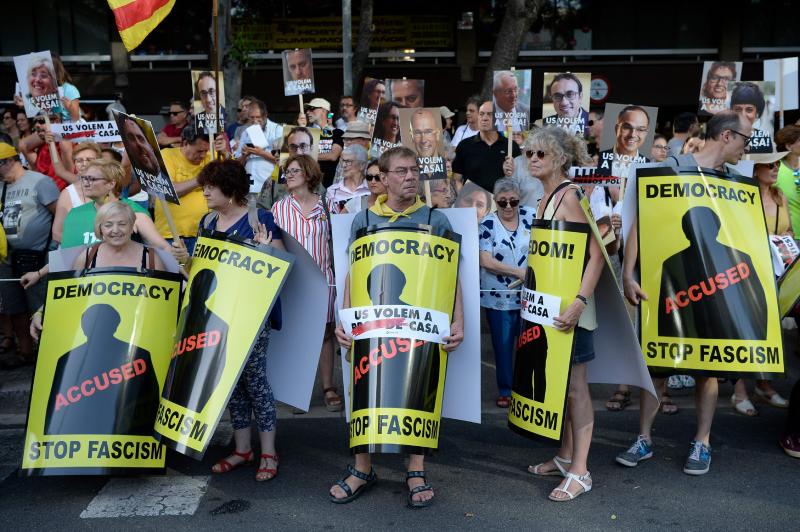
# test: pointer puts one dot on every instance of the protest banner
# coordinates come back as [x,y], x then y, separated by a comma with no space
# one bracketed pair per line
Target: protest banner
[37,78]
[789,289]
[755,101]
[372,96]
[705,262]
[589,175]
[784,73]
[628,132]
[511,98]
[714,94]
[421,132]
[207,101]
[566,101]
[406,92]
[403,283]
[102,362]
[105,131]
[298,72]
[232,288]
[558,252]
[784,252]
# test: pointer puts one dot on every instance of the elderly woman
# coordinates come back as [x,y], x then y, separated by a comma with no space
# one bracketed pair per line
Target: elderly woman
[101,182]
[504,237]
[551,152]
[353,162]
[114,226]
[225,188]
[305,215]
[372,175]
[777,216]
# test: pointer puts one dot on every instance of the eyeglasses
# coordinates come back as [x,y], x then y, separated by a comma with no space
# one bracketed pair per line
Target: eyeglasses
[424,133]
[4,162]
[300,147]
[747,140]
[505,203]
[209,92]
[509,92]
[717,79]
[373,177]
[89,180]
[772,165]
[347,162]
[403,171]
[293,171]
[84,161]
[38,121]
[569,95]
[175,113]
[629,128]
[540,154]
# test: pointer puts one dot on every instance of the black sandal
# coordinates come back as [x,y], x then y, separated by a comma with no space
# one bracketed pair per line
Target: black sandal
[619,401]
[353,495]
[411,492]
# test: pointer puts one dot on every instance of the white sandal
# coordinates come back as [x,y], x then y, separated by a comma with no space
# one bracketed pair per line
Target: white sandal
[773,399]
[558,461]
[580,479]
[743,406]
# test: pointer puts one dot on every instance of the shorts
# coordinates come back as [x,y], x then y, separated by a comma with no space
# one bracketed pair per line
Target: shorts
[16,300]
[583,351]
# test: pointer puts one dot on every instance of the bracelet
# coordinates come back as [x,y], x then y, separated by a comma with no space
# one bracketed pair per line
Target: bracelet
[582,299]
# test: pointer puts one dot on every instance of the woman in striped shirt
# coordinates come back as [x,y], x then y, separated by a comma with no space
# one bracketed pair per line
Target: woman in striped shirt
[303,215]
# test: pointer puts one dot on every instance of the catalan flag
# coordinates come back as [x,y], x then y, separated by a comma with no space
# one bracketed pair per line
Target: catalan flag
[137,18]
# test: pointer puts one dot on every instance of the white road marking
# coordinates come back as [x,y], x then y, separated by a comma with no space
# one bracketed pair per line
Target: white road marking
[148,497]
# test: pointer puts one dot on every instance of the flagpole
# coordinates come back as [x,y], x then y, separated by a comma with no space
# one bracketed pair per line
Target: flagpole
[218,110]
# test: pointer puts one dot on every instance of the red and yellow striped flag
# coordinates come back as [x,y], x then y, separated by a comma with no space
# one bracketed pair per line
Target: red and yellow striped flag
[137,18]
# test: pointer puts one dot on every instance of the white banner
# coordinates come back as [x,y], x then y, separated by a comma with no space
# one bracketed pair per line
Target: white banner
[400,321]
[105,131]
[538,307]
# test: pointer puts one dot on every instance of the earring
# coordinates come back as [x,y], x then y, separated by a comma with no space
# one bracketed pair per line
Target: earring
[230,201]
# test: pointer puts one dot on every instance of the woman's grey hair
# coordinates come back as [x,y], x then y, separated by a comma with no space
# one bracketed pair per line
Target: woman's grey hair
[358,152]
[506,184]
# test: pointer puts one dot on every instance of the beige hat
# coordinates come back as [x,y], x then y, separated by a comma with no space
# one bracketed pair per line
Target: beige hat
[446,113]
[357,130]
[766,158]
[320,102]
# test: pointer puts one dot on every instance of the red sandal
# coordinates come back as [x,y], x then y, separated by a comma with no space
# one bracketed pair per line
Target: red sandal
[225,466]
[273,472]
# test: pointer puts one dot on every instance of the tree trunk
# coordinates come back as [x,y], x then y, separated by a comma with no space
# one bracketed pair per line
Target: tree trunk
[518,17]
[361,54]
[231,67]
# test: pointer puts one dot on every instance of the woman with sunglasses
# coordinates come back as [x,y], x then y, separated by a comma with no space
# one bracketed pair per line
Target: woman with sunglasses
[372,175]
[551,152]
[776,214]
[305,215]
[504,239]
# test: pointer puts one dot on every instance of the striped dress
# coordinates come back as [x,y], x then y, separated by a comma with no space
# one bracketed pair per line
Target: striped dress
[312,233]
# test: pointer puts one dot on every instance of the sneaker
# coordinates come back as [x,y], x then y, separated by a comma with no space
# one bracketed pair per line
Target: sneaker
[687,381]
[674,382]
[699,460]
[791,445]
[640,450]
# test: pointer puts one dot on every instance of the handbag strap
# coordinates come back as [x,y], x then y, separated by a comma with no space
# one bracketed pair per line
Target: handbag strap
[777,217]
[327,210]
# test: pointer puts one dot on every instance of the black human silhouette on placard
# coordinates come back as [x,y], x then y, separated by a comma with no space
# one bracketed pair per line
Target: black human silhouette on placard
[104,386]
[530,365]
[385,285]
[195,371]
[691,302]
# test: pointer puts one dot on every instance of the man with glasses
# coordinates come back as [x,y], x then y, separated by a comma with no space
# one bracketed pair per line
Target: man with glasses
[728,137]
[566,92]
[714,92]
[258,160]
[659,149]
[426,136]
[170,136]
[330,138]
[631,131]
[507,106]
[28,203]
[347,112]
[484,158]
[401,204]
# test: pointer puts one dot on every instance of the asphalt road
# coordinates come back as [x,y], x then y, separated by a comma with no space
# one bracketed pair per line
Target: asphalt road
[478,473]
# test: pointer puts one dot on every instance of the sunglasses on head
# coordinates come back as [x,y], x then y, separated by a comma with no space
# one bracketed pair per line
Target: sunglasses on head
[505,203]
[540,154]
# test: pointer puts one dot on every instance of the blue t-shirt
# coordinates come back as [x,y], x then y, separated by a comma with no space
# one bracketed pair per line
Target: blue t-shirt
[243,229]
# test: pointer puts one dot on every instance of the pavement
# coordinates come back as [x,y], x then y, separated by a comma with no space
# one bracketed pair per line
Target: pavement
[479,474]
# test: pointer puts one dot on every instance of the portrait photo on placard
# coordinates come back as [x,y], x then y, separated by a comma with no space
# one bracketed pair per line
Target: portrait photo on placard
[421,131]
[566,101]
[386,133]
[755,101]
[372,95]
[208,99]
[627,136]
[714,93]
[511,97]
[472,195]
[38,83]
[406,92]
[298,72]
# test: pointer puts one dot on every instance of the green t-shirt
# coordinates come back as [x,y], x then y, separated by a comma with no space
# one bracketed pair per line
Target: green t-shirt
[79,224]
[788,183]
